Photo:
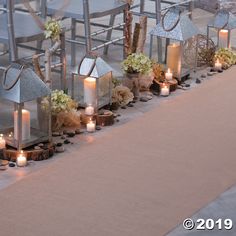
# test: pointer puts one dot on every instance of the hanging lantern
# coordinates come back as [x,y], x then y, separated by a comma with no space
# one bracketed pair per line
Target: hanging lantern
[180,34]
[223,22]
[22,120]
[94,84]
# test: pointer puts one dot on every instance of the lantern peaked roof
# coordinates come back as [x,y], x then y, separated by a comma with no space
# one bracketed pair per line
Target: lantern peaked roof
[223,20]
[175,26]
[28,87]
[98,66]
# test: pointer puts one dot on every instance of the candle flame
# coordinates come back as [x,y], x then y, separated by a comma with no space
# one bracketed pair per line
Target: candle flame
[224,31]
[91,79]
[168,71]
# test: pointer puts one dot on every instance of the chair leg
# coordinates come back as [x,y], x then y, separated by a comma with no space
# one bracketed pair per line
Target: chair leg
[109,33]
[87,26]
[142,6]
[73,45]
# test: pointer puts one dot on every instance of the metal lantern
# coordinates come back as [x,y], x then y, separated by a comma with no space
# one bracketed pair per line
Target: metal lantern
[23,121]
[180,35]
[223,22]
[92,84]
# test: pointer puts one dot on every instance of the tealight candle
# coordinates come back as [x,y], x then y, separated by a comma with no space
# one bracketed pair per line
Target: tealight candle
[2,142]
[165,90]
[89,110]
[21,160]
[91,126]
[168,75]
[218,65]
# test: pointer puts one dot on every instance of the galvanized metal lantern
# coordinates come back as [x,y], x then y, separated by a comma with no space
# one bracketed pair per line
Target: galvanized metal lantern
[180,34]
[94,84]
[23,121]
[223,22]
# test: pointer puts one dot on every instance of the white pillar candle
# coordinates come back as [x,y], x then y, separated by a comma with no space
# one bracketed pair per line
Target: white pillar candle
[25,124]
[90,91]
[223,38]
[173,59]
[89,110]
[218,65]
[165,90]
[2,142]
[91,126]
[21,160]
[168,75]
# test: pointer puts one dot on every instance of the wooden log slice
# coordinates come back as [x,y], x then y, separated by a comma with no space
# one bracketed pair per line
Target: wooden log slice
[44,153]
[107,119]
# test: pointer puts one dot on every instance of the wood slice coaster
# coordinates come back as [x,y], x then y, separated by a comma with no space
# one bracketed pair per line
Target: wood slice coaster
[173,84]
[106,119]
[44,153]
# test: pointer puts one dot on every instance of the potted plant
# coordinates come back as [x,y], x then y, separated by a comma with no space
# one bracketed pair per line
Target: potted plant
[137,68]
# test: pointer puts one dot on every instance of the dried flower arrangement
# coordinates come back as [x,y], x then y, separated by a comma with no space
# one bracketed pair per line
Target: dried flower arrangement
[158,72]
[64,110]
[225,56]
[122,95]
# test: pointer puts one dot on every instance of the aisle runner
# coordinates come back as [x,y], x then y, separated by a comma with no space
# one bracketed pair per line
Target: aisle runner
[142,178]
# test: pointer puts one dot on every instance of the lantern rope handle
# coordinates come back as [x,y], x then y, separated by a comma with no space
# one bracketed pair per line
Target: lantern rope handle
[92,67]
[15,81]
[175,24]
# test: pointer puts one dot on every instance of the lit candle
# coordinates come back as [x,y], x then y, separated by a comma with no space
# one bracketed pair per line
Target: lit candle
[223,38]
[2,142]
[173,59]
[91,126]
[169,75]
[90,90]
[218,65]
[25,124]
[165,90]
[21,160]
[89,110]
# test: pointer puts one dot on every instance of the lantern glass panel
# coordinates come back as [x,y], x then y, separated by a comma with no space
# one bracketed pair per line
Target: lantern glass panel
[92,91]
[34,122]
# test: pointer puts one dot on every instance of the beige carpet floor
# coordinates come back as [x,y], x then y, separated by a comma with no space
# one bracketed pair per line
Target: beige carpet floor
[140,179]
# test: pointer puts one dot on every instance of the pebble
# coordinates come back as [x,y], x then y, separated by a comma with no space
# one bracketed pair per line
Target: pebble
[130,105]
[212,70]
[133,101]
[37,148]
[60,149]
[98,127]
[11,164]
[77,131]
[71,134]
[55,134]
[115,115]
[187,85]
[41,145]
[59,144]
[64,132]
[155,93]
[203,76]
[66,141]
[117,120]
[211,73]
[198,81]
[143,99]
[149,97]
[118,114]
[63,137]
[123,107]
[220,71]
